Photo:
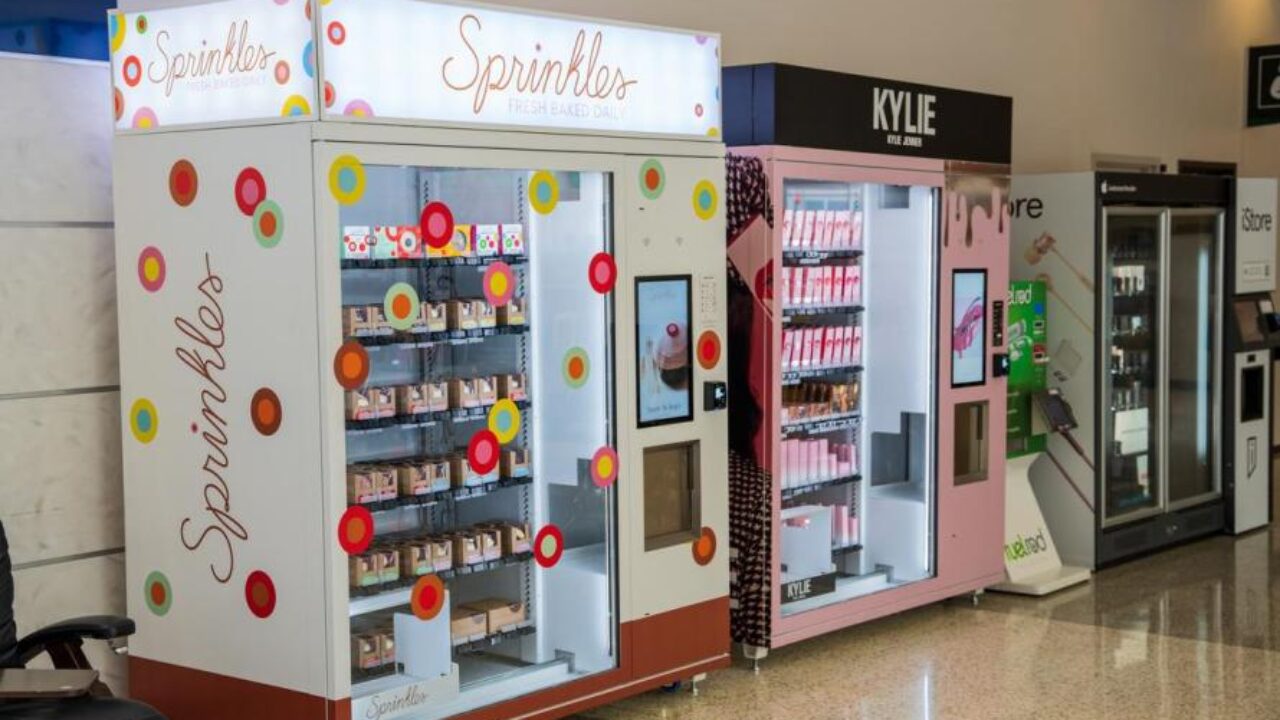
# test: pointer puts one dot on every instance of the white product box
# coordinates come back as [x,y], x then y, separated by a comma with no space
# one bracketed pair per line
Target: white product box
[853,285]
[855,230]
[819,227]
[808,218]
[786,349]
[788,223]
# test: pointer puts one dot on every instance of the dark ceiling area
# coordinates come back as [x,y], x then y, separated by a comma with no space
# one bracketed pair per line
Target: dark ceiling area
[62,28]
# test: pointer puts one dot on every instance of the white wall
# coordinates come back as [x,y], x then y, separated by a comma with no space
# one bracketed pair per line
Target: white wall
[60,483]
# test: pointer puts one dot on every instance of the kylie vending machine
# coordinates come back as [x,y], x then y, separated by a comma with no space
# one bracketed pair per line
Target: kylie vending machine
[1134,264]
[421,359]
[868,267]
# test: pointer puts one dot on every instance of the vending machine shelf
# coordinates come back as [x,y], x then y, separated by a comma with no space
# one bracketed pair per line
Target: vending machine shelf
[428,262]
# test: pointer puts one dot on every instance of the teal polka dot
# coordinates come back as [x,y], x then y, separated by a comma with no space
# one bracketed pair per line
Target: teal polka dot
[347,180]
[504,422]
[704,199]
[544,193]
[144,421]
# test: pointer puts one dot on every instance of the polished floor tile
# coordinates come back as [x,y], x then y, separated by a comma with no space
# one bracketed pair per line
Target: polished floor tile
[1185,634]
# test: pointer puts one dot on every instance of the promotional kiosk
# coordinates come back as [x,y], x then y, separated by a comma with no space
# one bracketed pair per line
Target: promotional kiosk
[1133,264]
[421,312]
[868,263]
[1031,561]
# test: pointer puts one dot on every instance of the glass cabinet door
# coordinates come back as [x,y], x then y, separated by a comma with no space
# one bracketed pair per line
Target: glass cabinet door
[1192,365]
[1131,337]
[857,327]
[489,389]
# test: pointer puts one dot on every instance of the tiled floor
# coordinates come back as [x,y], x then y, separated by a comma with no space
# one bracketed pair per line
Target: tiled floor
[1190,633]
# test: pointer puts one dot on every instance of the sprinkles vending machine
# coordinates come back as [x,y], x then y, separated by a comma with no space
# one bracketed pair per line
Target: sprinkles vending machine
[421,359]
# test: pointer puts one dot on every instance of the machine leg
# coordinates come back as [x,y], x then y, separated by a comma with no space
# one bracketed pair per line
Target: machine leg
[755,655]
[976,595]
[693,682]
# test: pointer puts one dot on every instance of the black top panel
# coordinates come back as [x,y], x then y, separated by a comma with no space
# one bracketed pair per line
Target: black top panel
[1155,189]
[775,104]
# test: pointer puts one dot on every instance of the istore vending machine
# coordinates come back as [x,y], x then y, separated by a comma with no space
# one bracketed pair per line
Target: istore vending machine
[1252,334]
[1134,267]
[868,267]
[422,320]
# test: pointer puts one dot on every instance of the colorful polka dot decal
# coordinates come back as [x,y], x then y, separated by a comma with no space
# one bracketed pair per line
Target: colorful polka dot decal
[250,189]
[697,110]
[499,284]
[358,108]
[265,411]
[355,530]
[351,365]
[548,546]
[132,71]
[151,268]
[336,32]
[653,179]
[117,101]
[504,420]
[309,57]
[329,94]
[116,26]
[436,221]
[184,183]
[604,467]
[705,199]
[157,593]
[141,24]
[576,367]
[427,598]
[282,72]
[401,306]
[260,594]
[346,179]
[544,192]
[704,548]
[144,118]
[143,420]
[295,106]
[602,272]
[708,349]
[482,452]
[268,224]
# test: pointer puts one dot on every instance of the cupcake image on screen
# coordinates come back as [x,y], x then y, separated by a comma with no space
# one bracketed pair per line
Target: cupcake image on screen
[672,357]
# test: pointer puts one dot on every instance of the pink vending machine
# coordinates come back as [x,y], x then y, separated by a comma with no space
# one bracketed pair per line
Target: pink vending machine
[868,237]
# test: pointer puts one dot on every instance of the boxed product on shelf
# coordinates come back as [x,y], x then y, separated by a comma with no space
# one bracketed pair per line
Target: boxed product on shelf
[486,314]
[490,542]
[366,651]
[356,242]
[488,240]
[378,320]
[365,570]
[852,290]
[463,393]
[355,320]
[514,537]
[441,552]
[487,389]
[498,613]
[388,559]
[362,404]
[415,558]
[840,236]
[513,313]
[437,394]
[820,228]
[370,483]
[387,644]
[465,623]
[460,245]
[415,479]
[468,548]
[461,315]
[461,474]
[788,223]
[512,387]
[810,220]
[432,318]
[514,463]
[412,400]
[512,239]
[384,400]
[855,230]
[397,242]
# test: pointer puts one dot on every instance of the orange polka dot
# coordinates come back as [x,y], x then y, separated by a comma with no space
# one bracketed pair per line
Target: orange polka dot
[575,367]
[401,306]
[268,224]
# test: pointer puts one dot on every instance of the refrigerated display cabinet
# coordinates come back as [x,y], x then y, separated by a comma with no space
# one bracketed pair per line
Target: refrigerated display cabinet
[423,379]
[1134,266]
[867,272]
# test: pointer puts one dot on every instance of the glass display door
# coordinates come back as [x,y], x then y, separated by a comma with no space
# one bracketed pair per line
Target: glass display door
[1132,341]
[468,444]
[1192,365]
[855,368]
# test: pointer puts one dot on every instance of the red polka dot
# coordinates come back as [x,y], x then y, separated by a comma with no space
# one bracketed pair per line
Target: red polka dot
[602,272]
[260,594]
[158,594]
[184,183]
[436,222]
[250,190]
[265,411]
[482,452]
[329,94]
[356,530]
[708,349]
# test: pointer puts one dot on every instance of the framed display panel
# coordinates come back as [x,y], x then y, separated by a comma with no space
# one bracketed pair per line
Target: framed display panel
[968,327]
[664,353]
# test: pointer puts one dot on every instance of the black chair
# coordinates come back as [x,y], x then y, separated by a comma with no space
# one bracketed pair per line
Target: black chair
[64,644]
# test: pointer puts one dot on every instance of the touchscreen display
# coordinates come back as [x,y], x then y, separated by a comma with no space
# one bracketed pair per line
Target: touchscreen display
[968,327]
[664,355]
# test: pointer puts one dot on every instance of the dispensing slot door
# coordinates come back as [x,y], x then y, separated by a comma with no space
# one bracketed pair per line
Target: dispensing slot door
[672,495]
[1252,390]
[971,438]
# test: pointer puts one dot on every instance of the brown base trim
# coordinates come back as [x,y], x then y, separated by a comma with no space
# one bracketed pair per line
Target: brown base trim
[183,693]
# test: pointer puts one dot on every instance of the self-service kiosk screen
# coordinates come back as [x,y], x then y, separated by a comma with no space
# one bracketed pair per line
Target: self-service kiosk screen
[1247,319]
[664,355]
[968,327]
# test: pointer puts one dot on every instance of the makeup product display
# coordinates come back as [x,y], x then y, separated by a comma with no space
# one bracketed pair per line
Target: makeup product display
[1159,286]
[424,383]
[866,333]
